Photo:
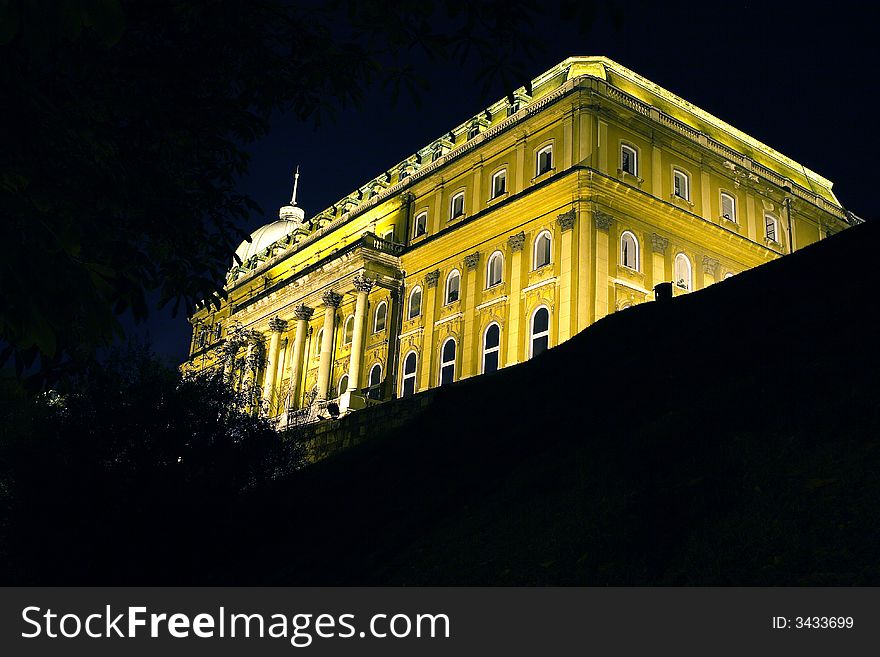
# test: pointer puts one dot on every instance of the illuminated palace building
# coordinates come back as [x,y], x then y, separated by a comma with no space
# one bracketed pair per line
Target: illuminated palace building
[560,203]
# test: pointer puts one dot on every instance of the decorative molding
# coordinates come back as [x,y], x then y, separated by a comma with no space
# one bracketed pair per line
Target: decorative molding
[603,221]
[277,325]
[566,220]
[516,242]
[303,312]
[331,299]
[431,278]
[471,261]
[659,243]
[362,283]
[710,265]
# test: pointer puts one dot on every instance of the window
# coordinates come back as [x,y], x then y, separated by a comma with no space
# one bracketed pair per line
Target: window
[388,235]
[541,256]
[491,348]
[540,326]
[218,330]
[499,183]
[408,386]
[770,227]
[453,286]
[728,275]
[680,185]
[380,317]
[420,224]
[682,271]
[375,391]
[447,362]
[203,337]
[319,338]
[415,303]
[629,160]
[544,160]
[629,250]
[343,385]
[456,206]
[728,207]
[348,334]
[494,269]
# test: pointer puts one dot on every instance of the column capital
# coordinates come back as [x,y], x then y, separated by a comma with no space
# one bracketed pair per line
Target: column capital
[710,265]
[277,325]
[659,243]
[517,242]
[566,220]
[432,277]
[362,283]
[603,220]
[472,260]
[331,299]
[302,311]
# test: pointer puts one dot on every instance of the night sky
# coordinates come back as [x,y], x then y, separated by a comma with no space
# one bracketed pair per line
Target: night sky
[800,81]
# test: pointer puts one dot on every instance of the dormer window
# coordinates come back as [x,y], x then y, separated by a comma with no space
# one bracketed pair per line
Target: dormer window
[629,160]
[456,206]
[473,132]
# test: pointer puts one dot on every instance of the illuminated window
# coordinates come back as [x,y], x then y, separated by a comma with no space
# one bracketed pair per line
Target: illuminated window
[541,256]
[348,334]
[420,224]
[456,206]
[388,235]
[343,385]
[408,385]
[491,348]
[540,332]
[629,160]
[681,185]
[447,362]
[453,286]
[544,160]
[728,206]
[629,250]
[319,338]
[415,303]
[380,317]
[499,183]
[494,269]
[771,227]
[375,391]
[682,271]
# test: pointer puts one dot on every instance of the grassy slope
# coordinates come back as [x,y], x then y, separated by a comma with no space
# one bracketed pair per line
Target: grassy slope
[730,436]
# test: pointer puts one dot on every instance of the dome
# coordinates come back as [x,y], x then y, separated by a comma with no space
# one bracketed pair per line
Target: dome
[264,236]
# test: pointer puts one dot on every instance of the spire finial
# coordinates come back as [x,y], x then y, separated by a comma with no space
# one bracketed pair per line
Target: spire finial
[295,182]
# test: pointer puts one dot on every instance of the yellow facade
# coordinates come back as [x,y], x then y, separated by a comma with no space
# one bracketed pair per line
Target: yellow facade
[621,183]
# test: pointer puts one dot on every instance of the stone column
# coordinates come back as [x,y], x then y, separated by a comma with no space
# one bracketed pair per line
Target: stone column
[276,327]
[603,225]
[429,293]
[515,243]
[303,314]
[565,221]
[363,286]
[470,335]
[658,258]
[710,270]
[331,302]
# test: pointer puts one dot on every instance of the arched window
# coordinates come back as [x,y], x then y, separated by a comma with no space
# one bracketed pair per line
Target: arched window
[682,272]
[348,334]
[728,275]
[447,361]
[499,183]
[681,185]
[540,332]
[491,348]
[408,385]
[494,269]
[343,385]
[771,228]
[456,206]
[453,287]
[319,338]
[629,250]
[543,243]
[415,303]
[728,207]
[544,160]
[420,224]
[380,317]
[629,160]
[375,391]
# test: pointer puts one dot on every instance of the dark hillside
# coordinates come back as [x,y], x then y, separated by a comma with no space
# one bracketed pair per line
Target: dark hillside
[730,436]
